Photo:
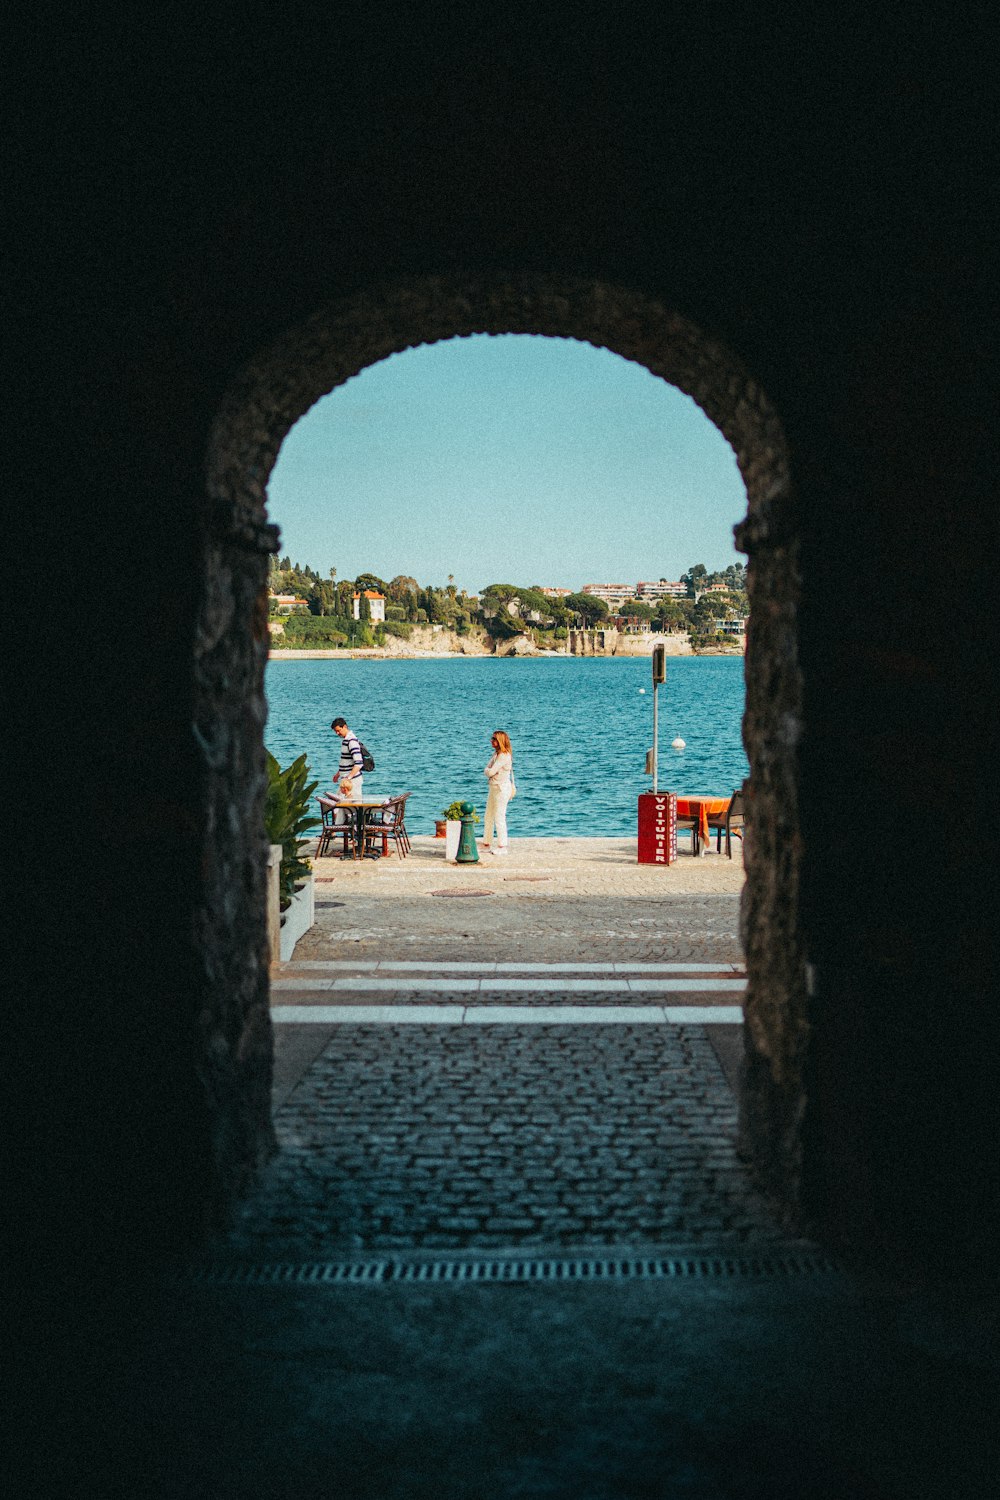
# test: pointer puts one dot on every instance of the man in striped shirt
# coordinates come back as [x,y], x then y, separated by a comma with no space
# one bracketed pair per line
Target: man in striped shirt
[351,766]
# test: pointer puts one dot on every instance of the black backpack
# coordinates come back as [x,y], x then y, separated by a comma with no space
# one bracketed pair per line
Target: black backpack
[367,758]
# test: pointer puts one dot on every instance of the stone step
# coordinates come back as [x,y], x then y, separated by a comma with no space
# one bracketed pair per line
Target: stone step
[412,984]
[453,966]
[506,1015]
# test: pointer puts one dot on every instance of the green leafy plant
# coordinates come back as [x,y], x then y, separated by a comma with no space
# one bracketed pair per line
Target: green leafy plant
[453,813]
[287,819]
[315,630]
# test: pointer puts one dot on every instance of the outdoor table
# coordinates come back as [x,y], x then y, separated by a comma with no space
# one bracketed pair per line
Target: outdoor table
[360,809]
[702,808]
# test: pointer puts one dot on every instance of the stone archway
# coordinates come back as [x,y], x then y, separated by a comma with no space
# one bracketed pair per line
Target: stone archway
[269,396]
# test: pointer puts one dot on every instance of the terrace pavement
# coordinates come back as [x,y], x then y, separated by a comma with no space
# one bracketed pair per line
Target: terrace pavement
[581,1112]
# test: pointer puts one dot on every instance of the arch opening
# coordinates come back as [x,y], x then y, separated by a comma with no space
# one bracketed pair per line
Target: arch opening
[531,467]
[259,410]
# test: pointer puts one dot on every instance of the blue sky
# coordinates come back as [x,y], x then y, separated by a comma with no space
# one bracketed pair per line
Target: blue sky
[511,459]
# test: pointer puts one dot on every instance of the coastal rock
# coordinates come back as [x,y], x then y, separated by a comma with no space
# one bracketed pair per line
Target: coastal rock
[423,641]
[609,642]
[521,645]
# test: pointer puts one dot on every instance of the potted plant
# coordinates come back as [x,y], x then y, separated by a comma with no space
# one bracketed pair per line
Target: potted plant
[286,819]
[450,813]
[451,823]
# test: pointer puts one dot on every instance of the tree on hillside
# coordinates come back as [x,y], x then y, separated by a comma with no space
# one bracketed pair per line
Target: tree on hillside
[500,593]
[500,613]
[400,587]
[534,601]
[524,599]
[704,615]
[322,598]
[590,610]
[638,610]
[675,614]
[693,578]
[435,604]
[370,581]
[503,625]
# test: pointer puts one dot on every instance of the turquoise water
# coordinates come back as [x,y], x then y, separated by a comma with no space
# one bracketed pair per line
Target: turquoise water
[580,728]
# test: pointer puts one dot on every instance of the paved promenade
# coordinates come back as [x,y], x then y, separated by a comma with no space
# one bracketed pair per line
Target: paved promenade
[550,901]
[530,1052]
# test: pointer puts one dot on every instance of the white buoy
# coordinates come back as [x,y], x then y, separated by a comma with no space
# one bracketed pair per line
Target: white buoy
[677,744]
[642,690]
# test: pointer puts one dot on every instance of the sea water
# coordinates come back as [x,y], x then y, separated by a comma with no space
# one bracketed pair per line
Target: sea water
[579,726]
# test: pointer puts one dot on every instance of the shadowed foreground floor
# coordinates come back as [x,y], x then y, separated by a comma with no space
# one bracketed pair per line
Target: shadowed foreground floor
[717,1390]
[747,1386]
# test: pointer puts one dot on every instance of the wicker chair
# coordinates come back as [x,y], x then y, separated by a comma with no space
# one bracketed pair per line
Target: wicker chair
[389,823]
[333,830]
[730,822]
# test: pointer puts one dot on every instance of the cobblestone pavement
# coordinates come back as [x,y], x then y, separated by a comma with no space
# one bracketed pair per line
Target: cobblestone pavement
[423,1137]
[446,1137]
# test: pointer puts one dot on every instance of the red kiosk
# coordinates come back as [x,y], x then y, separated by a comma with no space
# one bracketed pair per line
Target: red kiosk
[657,828]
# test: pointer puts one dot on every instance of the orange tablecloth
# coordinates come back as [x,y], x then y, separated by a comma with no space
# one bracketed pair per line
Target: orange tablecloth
[701,808]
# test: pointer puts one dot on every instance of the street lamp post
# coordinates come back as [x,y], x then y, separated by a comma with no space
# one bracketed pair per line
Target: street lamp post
[659,675]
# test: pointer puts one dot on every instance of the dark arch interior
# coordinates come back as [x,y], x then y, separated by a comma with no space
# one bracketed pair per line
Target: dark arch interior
[196,197]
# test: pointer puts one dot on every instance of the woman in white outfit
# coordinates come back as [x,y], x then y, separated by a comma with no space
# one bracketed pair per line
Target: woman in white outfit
[499,773]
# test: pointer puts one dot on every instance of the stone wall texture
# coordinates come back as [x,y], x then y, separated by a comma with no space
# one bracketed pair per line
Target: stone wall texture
[619,643]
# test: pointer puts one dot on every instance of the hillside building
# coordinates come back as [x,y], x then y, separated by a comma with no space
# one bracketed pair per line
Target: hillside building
[376,602]
[660,590]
